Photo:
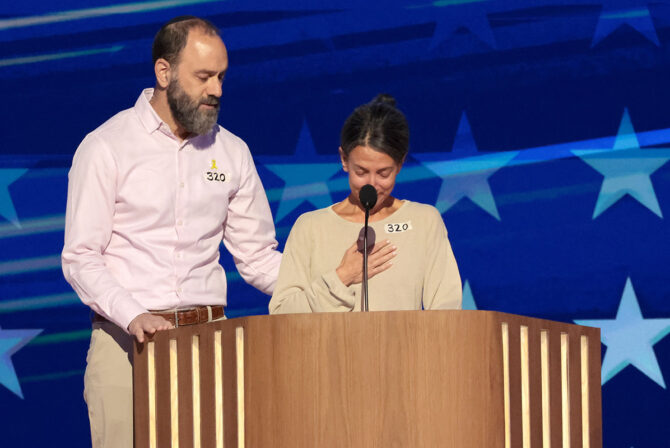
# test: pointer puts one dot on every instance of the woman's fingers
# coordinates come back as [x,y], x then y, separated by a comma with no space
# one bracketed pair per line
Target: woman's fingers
[383,254]
[379,268]
[382,259]
[380,246]
[379,259]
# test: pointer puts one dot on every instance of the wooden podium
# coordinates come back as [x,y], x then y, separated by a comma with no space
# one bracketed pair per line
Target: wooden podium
[407,379]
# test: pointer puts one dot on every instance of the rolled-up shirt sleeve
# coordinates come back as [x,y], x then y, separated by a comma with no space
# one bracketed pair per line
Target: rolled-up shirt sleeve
[88,229]
[249,232]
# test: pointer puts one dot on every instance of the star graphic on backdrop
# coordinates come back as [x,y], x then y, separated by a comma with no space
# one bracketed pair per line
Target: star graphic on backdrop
[11,341]
[467,173]
[626,168]
[7,210]
[304,182]
[630,338]
[616,13]
[471,18]
[468,299]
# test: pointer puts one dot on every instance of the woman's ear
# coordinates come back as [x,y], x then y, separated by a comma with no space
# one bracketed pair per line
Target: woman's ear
[343,158]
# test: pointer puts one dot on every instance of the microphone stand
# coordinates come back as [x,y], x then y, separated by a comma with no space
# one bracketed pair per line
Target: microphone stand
[368,198]
[365,260]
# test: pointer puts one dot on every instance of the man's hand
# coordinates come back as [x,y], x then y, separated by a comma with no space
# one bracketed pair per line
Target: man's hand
[350,269]
[147,323]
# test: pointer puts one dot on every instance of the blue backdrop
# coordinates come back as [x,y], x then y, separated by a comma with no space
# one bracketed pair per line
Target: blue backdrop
[540,130]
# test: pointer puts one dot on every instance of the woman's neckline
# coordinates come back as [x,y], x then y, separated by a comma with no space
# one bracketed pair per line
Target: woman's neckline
[403,202]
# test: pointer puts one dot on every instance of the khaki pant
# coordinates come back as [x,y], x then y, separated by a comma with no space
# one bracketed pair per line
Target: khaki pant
[108,387]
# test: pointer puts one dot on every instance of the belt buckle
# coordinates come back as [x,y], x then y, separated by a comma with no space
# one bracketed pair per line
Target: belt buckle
[176,318]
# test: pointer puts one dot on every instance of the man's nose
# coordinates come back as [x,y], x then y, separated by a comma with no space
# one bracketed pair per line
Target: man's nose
[214,88]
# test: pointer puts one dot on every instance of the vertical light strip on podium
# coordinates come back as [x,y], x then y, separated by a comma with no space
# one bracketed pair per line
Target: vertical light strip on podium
[546,404]
[151,369]
[195,359]
[506,394]
[586,428]
[565,390]
[239,354]
[174,395]
[525,387]
[218,388]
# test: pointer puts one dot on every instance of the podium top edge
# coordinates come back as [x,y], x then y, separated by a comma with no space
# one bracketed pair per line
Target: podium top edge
[482,314]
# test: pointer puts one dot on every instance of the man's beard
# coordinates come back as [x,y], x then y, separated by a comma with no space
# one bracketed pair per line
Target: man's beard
[186,111]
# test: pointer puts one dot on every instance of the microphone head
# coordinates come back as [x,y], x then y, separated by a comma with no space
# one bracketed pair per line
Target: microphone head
[368,196]
[372,239]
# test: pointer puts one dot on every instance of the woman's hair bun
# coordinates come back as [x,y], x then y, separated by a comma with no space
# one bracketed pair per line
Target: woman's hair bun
[378,125]
[384,98]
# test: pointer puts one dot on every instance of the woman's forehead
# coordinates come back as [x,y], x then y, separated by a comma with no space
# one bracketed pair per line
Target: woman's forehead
[369,155]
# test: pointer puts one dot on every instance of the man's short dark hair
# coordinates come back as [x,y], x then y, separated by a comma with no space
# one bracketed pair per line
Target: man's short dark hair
[172,36]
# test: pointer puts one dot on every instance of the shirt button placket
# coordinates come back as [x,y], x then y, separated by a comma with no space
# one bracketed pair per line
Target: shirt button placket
[179,205]
[179,218]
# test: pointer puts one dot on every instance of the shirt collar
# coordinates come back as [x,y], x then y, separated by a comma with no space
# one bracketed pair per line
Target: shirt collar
[152,122]
[145,111]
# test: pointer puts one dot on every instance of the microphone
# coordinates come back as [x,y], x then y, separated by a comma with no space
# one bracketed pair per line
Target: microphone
[368,198]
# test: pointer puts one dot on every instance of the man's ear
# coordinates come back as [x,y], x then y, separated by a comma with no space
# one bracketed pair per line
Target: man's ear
[162,70]
[343,158]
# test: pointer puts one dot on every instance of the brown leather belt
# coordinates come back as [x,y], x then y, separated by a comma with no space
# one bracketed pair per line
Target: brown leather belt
[187,316]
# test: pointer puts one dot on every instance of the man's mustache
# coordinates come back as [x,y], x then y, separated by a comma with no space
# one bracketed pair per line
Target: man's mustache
[211,101]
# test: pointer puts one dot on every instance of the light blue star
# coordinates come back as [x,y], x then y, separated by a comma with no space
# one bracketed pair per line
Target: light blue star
[467,173]
[304,182]
[471,18]
[468,299]
[617,13]
[11,341]
[626,168]
[630,338]
[7,210]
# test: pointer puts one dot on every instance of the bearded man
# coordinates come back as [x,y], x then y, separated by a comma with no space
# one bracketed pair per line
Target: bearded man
[152,193]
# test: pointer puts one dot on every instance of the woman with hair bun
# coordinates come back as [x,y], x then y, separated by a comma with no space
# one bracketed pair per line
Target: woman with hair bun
[410,264]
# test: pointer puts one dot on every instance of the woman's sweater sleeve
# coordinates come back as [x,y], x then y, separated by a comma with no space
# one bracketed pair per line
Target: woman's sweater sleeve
[295,291]
[442,281]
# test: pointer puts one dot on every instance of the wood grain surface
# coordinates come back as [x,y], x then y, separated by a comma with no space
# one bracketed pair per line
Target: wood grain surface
[378,379]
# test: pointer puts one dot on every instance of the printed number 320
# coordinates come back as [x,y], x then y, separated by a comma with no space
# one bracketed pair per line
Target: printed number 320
[392,228]
[221,177]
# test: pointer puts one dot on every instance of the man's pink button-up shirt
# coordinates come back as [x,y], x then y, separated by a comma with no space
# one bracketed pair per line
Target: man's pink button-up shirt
[146,214]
